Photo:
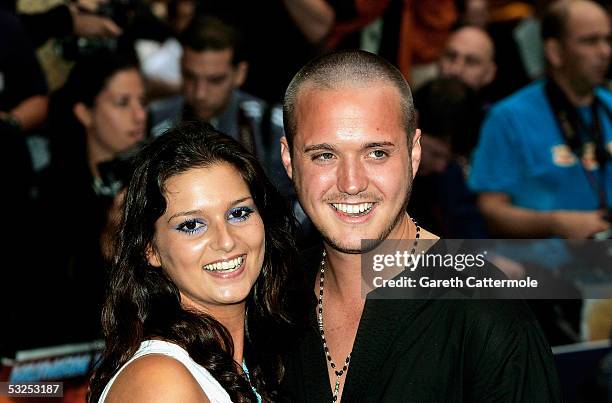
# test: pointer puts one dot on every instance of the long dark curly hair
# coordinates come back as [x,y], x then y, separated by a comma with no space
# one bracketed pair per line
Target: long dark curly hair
[144,303]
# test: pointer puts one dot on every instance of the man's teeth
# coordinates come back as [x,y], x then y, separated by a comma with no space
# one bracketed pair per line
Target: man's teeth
[225,266]
[353,208]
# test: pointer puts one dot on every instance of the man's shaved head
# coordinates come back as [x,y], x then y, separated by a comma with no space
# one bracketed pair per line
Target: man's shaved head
[556,18]
[353,68]
[469,55]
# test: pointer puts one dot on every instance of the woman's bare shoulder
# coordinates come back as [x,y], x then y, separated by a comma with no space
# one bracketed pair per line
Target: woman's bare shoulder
[156,378]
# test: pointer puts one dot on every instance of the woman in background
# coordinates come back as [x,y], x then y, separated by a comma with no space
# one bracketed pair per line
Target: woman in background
[98,115]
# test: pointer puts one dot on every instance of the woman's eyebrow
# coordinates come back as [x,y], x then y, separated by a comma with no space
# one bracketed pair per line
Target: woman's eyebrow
[197,212]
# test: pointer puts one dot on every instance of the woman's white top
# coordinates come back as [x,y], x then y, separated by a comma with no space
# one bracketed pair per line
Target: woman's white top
[213,390]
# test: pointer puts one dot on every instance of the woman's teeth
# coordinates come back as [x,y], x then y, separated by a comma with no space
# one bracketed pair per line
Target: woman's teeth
[225,266]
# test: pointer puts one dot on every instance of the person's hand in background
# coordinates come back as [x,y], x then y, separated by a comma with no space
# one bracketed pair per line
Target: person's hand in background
[88,25]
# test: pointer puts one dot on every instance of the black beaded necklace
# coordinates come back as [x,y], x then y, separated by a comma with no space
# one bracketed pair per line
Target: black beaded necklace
[342,371]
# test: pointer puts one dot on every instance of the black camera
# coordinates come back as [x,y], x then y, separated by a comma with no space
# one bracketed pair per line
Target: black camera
[117,173]
[122,12]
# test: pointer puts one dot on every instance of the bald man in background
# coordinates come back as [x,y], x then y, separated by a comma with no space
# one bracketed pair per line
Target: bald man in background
[543,164]
[554,132]
[469,55]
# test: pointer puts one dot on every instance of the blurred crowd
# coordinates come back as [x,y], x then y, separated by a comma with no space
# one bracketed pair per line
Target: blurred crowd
[83,83]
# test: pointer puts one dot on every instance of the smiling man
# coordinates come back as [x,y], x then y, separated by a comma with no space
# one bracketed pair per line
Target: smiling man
[352,150]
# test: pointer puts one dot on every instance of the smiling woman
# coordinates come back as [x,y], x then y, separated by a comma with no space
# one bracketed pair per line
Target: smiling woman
[199,278]
[210,243]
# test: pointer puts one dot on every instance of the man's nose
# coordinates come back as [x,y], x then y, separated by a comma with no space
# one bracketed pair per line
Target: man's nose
[201,89]
[352,176]
[456,67]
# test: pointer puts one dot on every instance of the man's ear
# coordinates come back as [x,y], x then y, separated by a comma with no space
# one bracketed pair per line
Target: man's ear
[153,256]
[83,114]
[286,156]
[553,52]
[415,153]
[242,69]
[490,74]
